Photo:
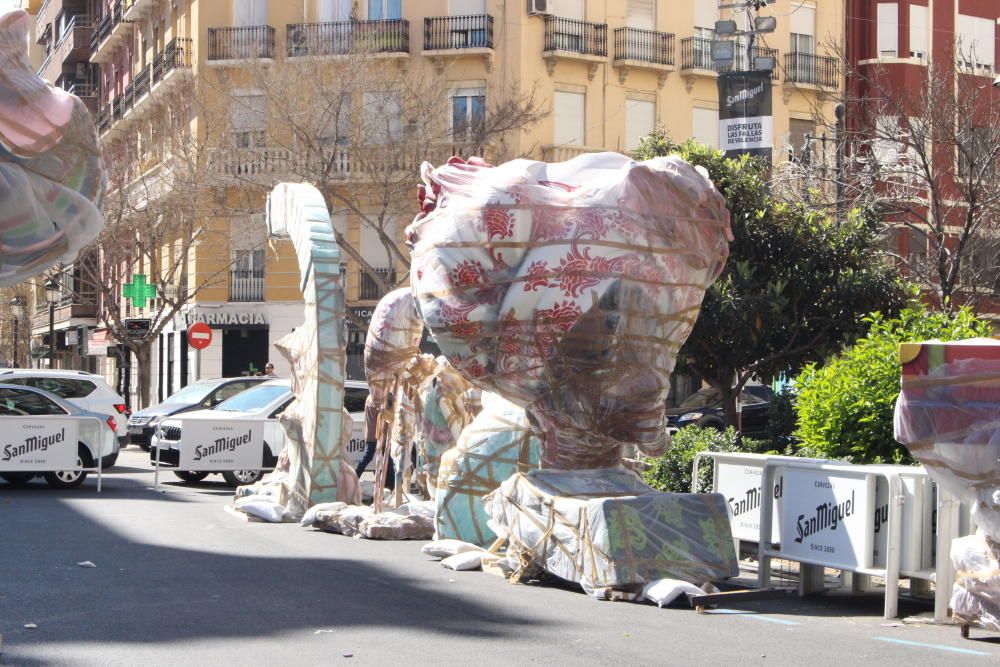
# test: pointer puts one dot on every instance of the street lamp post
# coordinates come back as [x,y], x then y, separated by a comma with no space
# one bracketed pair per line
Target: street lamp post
[17,310]
[52,298]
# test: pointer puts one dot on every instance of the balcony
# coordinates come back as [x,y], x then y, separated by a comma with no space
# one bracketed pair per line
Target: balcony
[237,46]
[448,34]
[110,33]
[389,38]
[72,47]
[46,17]
[138,9]
[87,92]
[643,49]
[159,77]
[368,289]
[808,69]
[575,40]
[246,285]
[557,153]
[696,58]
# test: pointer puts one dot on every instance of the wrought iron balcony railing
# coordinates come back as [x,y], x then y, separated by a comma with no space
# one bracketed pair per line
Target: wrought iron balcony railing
[345,37]
[581,37]
[811,69]
[458,32]
[647,46]
[368,289]
[247,43]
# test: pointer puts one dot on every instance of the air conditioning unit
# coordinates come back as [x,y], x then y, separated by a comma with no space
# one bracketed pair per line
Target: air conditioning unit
[538,7]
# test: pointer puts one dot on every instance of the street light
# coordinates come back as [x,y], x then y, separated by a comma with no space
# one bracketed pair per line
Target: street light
[17,310]
[52,298]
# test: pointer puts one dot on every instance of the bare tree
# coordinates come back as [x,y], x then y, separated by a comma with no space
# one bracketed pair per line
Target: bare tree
[357,127]
[926,156]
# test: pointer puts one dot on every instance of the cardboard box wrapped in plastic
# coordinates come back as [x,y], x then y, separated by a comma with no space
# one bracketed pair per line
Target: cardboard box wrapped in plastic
[948,416]
[975,599]
[608,531]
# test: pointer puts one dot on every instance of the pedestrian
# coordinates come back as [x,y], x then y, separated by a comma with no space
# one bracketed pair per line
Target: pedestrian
[371,444]
[269,370]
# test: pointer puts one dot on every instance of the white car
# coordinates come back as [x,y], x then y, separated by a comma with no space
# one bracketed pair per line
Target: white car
[96,433]
[265,401]
[84,390]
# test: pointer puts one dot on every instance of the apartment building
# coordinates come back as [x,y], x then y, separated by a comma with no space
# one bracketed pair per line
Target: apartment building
[893,45]
[604,72]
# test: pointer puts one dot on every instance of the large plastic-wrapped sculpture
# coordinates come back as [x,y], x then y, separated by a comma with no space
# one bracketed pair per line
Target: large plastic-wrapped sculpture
[567,289]
[52,180]
[948,416]
[314,422]
[450,403]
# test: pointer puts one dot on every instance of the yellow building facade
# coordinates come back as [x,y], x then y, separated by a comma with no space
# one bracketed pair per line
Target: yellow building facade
[599,74]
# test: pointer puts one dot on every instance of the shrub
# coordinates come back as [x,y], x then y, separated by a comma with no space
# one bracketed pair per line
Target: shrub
[845,408]
[672,471]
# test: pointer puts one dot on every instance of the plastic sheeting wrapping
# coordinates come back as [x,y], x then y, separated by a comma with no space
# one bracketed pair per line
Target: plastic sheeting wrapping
[608,531]
[52,180]
[975,599]
[568,289]
[413,521]
[449,405]
[496,445]
[948,416]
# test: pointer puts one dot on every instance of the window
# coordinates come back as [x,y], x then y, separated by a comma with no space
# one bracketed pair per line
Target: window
[888,29]
[466,7]
[569,118]
[246,274]
[702,51]
[468,114]
[249,118]
[641,14]
[802,27]
[976,42]
[331,11]
[250,13]
[640,118]
[383,113]
[372,248]
[61,387]
[354,399]
[21,402]
[918,32]
[379,10]
[570,9]
[798,132]
[706,13]
[975,150]
[335,122]
[705,126]
[916,251]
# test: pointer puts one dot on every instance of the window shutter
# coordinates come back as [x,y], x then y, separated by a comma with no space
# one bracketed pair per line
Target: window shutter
[640,118]
[888,29]
[570,9]
[706,13]
[705,126]
[466,7]
[249,113]
[918,31]
[641,14]
[802,20]
[570,128]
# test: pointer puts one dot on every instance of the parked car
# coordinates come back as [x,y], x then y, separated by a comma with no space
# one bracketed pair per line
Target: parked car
[84,390]
[96,433]
[197,396]
[704,408]
[265,401]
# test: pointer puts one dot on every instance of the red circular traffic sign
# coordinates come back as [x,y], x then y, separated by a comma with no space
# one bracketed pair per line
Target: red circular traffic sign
[199,335]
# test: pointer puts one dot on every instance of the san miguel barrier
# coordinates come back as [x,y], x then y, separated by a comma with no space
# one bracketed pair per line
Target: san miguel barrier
[46,444]
[870,520]
[216,445]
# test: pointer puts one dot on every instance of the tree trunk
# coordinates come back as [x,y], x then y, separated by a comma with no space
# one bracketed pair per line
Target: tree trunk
[729,394]
[142,360]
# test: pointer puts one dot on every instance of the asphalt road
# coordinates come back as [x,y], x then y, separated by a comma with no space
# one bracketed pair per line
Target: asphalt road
[179,581]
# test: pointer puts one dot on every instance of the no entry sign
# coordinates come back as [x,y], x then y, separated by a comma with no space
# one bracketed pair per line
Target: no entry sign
[199,335]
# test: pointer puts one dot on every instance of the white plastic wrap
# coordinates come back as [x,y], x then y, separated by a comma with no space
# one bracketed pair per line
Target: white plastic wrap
[568,289]
[975,599]
[948,416]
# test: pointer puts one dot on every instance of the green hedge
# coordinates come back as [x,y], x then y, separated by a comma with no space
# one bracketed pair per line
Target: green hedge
[672,471]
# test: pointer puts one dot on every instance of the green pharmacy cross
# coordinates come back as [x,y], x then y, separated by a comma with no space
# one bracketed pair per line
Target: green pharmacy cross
[139,291]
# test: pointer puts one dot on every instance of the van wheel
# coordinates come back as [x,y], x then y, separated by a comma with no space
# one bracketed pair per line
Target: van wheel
[190,476]
[242,477]
[68,479]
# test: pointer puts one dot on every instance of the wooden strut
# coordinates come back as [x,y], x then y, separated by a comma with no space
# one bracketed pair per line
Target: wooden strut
[699,602]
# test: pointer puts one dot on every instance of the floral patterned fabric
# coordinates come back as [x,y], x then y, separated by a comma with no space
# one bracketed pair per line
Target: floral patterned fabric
[52,180]
[568,289]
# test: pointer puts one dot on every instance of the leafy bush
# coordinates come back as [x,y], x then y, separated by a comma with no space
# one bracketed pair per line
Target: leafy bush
[781,419]
[672,471]
[845,408]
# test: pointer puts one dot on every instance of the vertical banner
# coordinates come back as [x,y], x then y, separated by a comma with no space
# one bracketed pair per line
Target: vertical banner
[746,126]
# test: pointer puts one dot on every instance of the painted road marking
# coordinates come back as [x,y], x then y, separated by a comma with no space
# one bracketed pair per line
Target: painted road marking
[939,647]
[753,615]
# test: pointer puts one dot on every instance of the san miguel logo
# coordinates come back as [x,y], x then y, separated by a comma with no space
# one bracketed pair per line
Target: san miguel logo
[827,517]
[35,443]
[744,95]
[221,445]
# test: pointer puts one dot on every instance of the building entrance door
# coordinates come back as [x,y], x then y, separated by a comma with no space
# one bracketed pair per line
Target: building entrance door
[244,351]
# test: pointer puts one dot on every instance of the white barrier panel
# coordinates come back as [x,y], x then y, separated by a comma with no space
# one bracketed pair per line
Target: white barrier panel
[38,444]
[739,482]
[916,546]
[212,446]
[827,516]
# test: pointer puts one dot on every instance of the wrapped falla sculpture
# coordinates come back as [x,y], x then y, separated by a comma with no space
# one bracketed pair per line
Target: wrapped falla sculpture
[52,180]
[567,289]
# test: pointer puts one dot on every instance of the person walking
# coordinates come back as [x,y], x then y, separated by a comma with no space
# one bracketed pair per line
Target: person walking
[371,444]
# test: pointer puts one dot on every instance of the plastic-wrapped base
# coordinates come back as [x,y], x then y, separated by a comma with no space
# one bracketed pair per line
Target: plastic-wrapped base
[975,599]
[608,531]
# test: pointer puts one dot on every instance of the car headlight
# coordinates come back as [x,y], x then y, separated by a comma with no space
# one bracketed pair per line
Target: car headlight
[690,417]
